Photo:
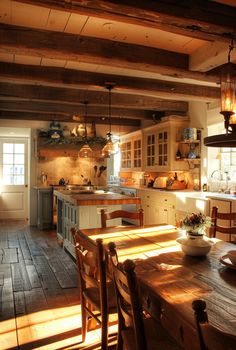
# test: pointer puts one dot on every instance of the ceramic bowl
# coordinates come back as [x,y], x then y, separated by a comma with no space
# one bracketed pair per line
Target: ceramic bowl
[199,247]
[194,250]
[232,256]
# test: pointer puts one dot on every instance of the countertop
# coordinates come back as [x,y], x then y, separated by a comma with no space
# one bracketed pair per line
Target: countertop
[97,198]
[43,187]
[186,193]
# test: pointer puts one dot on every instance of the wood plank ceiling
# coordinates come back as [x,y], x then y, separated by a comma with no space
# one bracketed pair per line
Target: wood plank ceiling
[160,54]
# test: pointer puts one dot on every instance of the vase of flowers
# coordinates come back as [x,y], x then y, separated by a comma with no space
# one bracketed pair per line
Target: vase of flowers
[196,224]
[195,242]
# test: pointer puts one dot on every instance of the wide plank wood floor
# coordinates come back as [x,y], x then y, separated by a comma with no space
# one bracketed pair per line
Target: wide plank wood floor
[39,297]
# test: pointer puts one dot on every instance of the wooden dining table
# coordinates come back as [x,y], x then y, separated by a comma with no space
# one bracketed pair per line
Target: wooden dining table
[170,280]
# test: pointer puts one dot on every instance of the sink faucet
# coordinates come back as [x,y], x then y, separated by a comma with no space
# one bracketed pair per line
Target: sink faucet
[217,171]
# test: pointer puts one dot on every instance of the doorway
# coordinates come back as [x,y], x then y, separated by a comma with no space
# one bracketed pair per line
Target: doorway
[14,190]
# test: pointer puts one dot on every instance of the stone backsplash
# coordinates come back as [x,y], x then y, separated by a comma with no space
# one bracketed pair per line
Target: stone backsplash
[74,170]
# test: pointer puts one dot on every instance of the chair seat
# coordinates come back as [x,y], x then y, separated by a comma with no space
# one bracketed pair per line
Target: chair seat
[157,337]
[213,336]
[93,296]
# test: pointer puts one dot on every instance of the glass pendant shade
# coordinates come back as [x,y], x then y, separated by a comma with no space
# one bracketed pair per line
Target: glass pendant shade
[109,147]
[228,86]
[227,89]
[85,151]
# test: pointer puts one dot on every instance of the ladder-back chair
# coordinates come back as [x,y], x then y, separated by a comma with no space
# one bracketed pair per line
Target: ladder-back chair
[105,216]
[227,218]
[136,331]
[210,338]
[96,289]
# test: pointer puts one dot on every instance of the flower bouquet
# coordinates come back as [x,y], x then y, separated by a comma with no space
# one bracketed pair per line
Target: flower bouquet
[195,243]
[196,223]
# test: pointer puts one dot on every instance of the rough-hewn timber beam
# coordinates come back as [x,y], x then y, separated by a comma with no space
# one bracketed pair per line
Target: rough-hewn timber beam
[75,109]
[70,47]
[96,98]
[95,81]
[201,19]
[19,115]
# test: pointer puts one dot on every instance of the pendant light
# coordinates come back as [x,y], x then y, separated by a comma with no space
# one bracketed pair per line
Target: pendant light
[228,84]
[109,147]
[85,151]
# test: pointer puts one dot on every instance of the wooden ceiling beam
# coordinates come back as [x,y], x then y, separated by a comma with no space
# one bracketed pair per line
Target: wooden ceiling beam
[200,19]
[71,47]
[61,77]
[96,98]
[23,115]
[73,109]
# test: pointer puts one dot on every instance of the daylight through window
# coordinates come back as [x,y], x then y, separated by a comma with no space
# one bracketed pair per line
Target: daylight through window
[13,163]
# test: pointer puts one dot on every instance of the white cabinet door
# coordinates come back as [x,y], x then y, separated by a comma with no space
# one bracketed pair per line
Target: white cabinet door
[14,178]
[158,208]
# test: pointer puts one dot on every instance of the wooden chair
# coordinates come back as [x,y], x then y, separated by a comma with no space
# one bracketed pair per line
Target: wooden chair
[138,215]
[135,330]
[210,338]
[229,219]
[96,289]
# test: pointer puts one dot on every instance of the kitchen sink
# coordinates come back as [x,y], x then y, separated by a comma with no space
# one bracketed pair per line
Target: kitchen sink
[81,191]
[79,187]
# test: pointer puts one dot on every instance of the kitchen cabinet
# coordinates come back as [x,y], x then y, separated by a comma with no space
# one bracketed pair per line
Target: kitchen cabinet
[83,217]
[160,145]
[44,208]
[71,214]
[131,151]
[159,207]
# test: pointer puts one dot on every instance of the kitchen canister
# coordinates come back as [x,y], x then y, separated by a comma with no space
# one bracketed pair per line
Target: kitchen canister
[189,134]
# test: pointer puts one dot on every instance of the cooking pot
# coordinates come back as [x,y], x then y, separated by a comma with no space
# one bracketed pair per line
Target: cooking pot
[160,182]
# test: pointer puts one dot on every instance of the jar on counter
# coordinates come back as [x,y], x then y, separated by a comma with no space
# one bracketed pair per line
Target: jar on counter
[43,178]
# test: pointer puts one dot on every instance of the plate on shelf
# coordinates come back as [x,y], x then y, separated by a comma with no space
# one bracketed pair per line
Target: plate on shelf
[225,261]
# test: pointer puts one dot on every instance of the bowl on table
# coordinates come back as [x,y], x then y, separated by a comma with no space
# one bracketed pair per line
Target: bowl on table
[232,256]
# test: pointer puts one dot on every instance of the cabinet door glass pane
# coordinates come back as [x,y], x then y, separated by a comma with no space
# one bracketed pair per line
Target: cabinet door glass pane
[162,148]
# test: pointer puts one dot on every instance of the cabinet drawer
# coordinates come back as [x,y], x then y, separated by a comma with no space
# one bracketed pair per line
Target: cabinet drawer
[168,200]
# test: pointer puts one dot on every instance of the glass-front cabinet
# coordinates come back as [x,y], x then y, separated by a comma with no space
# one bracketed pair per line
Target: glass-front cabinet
[131,151]
[155,147]
[160,144]
[162,148]
[126,155]
[138,153]
[150,150]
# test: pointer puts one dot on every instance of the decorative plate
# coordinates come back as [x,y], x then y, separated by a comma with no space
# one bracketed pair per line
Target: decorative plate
[225,261]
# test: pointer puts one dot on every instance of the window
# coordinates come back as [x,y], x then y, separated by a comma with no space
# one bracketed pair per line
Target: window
[13,163]
[228,161]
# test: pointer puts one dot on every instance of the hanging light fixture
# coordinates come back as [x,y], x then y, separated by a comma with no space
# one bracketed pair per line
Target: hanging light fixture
[109,147]
[85,150]
[228,84]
